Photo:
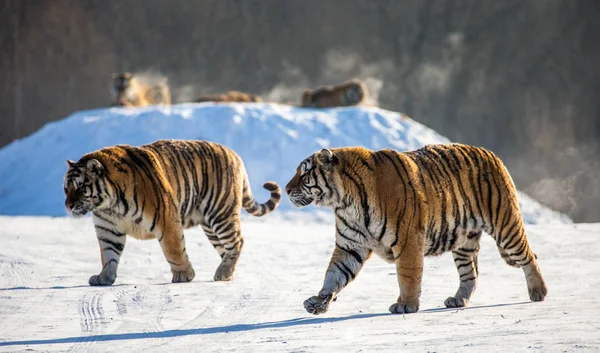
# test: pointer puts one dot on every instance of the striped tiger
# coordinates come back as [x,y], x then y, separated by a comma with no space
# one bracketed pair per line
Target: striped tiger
[129,90]
[230,96]
[404,206]
[158,190]
[352,92]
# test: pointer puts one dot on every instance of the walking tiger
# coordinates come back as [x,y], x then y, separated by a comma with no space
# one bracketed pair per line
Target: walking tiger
[404,206]
[157,191]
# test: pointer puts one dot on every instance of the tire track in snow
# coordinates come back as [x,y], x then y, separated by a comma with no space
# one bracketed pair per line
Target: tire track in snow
[16,274]
[91,319]
[118,310]
[97,315]
[90,310]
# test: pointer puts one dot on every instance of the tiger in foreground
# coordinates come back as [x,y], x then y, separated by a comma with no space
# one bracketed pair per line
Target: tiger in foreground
[230,96]
[128,90]
[157,191]
[353,92]
[404,206]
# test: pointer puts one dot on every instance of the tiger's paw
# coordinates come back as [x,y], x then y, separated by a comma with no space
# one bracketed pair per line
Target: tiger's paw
[186,275]
[224,273]
[454,302]
[536,286]
[538,294]
[318,304]
[404,308]
[102,280]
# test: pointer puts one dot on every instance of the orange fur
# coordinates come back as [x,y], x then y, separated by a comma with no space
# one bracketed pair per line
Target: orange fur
[129,91]
[230,96]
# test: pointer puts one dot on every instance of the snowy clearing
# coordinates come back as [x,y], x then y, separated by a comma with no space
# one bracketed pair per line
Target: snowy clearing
[45,263]
[46,305]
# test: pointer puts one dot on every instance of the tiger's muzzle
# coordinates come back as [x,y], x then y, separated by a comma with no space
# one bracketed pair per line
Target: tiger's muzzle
[76,209]
[297,198]
[301,201]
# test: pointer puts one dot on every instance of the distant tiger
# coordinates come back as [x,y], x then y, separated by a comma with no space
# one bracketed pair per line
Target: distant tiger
[230,96]
[402,206]
[353,92]
[132,91]
[157,191]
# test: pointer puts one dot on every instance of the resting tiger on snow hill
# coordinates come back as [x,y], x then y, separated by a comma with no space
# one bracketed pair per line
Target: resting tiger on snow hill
[230,96]
[157,191]
[402,206]
[353,92]
[130,91]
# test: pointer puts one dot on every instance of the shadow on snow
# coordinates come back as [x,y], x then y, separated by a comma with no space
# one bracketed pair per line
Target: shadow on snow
[228,328]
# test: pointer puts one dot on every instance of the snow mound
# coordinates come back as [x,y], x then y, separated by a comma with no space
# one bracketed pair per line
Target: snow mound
[272,140]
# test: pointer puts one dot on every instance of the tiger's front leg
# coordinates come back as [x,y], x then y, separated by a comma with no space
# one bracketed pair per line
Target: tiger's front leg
[344,266]
[112,243]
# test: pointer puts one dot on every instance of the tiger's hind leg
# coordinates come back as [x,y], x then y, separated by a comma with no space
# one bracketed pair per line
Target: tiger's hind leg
[409,270]
[227,239]
[214,240]
[465,259]
[506,258]
[514,249]
[172,242]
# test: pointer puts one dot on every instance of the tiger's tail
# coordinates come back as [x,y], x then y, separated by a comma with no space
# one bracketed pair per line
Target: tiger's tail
[260,209]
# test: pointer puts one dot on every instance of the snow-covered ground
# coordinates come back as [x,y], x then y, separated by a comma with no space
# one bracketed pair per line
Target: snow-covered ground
[45,262]
[272,140]
[46,305]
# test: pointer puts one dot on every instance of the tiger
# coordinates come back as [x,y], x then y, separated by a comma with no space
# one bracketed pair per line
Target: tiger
[131,91]
[230,96]
[353,92]
[403,206]
[155,191]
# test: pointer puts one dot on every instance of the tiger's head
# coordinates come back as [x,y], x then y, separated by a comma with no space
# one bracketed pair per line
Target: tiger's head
[121,81]
[352,92]
[84,187]
[317,180]
[307,100]
[121,88]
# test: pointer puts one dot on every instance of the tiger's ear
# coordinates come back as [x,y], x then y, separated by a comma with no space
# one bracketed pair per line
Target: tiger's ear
[95,167]
[70,163]
[306,96]
[326,158]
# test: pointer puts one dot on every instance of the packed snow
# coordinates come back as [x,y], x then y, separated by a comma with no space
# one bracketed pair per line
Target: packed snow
[45,262]
[46,304]
[272,140]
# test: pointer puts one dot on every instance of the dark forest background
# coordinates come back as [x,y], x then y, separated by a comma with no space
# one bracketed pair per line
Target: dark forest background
[521,78]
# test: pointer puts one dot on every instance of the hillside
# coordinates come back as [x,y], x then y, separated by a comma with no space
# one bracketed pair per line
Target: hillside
[271,139]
